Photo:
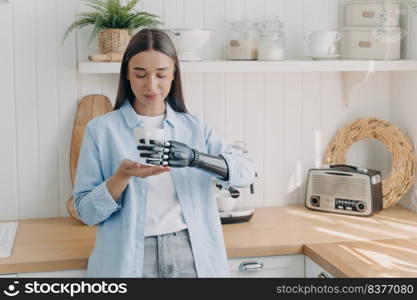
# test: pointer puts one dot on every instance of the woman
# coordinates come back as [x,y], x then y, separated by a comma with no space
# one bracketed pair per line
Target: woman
[154,220]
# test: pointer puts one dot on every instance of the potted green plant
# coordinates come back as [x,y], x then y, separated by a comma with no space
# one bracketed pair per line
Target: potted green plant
[114,23]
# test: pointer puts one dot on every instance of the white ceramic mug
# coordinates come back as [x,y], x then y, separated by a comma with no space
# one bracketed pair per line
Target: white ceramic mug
[321,49]
[148,134]
[323,36]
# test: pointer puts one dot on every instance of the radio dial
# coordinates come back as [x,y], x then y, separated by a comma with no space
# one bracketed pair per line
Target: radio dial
[361,206]
[315,201]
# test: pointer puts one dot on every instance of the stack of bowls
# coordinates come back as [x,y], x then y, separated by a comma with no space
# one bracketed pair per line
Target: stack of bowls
[322,44]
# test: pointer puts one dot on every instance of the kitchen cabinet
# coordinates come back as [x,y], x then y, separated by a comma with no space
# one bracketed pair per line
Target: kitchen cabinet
[263,266]
[267,266]
[55,274]
[313,270]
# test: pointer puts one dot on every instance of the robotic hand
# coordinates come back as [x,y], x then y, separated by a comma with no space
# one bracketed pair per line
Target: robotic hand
[179,155]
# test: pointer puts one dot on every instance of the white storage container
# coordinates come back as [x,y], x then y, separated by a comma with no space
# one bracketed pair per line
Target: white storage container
[379,43]
[372,13]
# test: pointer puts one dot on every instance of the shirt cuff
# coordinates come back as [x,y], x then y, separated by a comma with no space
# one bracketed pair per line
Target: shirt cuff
[98,205]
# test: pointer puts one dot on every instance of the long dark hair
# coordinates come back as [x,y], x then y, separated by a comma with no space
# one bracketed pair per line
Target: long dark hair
[150,39]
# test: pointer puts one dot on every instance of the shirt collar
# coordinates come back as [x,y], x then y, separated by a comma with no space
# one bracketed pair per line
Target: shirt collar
[133,119]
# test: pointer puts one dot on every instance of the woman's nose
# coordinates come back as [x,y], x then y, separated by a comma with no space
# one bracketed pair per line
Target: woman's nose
[151,83]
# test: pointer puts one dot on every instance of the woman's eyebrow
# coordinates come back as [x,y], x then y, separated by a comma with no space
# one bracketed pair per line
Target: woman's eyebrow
[143,69]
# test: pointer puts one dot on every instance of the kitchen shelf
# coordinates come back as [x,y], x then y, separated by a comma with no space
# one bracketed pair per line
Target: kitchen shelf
[270,66]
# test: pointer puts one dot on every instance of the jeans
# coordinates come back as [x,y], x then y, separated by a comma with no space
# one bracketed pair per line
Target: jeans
[168,255]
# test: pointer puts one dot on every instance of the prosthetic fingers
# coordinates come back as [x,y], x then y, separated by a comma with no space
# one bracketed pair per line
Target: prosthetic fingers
[179,155]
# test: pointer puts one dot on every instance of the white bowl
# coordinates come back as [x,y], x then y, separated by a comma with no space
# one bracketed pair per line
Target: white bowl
[187,41]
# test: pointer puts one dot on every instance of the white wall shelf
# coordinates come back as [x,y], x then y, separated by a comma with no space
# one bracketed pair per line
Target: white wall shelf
[276,66]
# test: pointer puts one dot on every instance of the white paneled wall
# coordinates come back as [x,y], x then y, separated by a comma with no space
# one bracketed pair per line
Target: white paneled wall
[8,154]
[403,111]
[286,118]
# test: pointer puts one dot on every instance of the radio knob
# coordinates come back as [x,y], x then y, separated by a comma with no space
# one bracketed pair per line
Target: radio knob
[361,206]
[315,201]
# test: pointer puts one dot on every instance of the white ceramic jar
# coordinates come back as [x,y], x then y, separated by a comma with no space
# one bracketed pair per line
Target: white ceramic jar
[372,13]
[379,43]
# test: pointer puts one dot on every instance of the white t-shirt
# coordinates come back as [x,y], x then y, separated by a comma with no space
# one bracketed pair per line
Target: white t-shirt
[163,213]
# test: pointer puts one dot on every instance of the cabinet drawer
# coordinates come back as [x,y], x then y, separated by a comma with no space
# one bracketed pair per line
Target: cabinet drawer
[313,270]
[55,274]
[267,266]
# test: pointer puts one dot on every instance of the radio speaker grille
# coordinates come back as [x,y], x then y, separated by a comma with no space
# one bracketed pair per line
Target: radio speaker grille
[340,186]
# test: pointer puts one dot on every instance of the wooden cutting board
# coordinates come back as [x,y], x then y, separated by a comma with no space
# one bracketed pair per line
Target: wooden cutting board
[90,106]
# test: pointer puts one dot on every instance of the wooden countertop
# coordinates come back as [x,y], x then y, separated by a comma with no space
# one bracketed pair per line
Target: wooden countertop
[285,230]
[49,245]
[63,243]
[378,258]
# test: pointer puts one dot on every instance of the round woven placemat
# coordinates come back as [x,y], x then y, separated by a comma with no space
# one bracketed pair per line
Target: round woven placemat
[402,174]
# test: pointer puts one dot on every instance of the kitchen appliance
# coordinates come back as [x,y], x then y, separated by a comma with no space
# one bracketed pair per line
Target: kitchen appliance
[368,42]
[372,13]
[235,214]
[344,189]
[230,201]
[187,41]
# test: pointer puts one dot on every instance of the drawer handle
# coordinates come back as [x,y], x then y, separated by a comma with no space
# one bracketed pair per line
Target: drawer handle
[249,266]
[323,275]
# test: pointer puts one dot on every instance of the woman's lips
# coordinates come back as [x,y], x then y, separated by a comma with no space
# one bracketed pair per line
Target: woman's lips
[152,96]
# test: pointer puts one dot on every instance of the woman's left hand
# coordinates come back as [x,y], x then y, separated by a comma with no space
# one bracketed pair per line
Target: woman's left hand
[167,153]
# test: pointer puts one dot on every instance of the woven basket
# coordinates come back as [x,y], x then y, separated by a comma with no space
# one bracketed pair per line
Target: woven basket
[402,175]
[113,40]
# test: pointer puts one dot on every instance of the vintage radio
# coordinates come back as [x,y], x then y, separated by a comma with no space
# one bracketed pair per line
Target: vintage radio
[344,189]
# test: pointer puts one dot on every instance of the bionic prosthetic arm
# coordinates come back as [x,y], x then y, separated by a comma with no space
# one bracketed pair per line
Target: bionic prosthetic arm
[179,155]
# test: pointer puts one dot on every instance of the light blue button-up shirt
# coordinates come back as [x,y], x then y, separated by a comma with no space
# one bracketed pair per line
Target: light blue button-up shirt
[119,245]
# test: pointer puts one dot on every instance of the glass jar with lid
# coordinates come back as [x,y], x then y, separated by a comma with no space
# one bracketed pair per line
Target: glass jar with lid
[242,44]
[271,42]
